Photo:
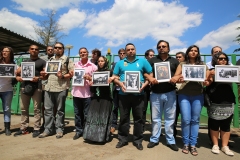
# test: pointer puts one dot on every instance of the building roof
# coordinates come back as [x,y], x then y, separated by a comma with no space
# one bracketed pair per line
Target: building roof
[19,43]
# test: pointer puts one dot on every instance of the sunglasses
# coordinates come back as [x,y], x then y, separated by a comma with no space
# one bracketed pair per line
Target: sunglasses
[178,57]
[222,59]
[121,53]
[36,49]
[161,47]
[50,49]
[58,47]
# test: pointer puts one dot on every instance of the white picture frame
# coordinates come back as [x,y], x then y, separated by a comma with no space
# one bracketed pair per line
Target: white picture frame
[100,78]
[132,81]
[27,70]
[225,73]
[77,79]
[8,70]
[52,66]
[194,72]
[162,71]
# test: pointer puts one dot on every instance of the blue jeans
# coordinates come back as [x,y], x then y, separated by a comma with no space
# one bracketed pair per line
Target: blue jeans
[81,107]
[163,103]
[190,107]
[6,104]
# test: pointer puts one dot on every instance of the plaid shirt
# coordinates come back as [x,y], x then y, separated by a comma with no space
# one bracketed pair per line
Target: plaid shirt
[55,84]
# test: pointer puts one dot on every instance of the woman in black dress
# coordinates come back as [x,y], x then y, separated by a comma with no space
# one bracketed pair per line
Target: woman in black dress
[98,123]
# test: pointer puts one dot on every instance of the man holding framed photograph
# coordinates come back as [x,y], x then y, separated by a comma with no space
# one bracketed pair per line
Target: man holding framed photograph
[128,101]
[82,94]
[163,98]
[31,89]
[56,91]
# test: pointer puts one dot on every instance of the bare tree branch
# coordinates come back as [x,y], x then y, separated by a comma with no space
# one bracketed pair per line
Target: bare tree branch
[49,31]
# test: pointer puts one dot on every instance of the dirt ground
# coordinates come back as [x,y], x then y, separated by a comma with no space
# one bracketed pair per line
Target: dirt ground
[28,148]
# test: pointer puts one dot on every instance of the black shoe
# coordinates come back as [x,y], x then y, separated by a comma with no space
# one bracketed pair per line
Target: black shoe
[77,135]
[139,146]
[7,128]
[36,133]
[121,144]
[173,147]
[151,144]
[21,132]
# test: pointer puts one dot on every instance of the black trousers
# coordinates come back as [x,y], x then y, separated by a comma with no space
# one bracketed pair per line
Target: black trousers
[126,104]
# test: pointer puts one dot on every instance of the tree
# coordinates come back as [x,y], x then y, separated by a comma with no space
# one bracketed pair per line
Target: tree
[237,39]
[49,30]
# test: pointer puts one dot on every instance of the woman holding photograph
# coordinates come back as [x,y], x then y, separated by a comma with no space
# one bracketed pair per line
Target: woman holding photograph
[6,88]
[98,123]
[223,99]
[190,99]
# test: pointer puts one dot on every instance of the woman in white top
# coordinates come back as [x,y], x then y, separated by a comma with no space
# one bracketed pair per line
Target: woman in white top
[6,89]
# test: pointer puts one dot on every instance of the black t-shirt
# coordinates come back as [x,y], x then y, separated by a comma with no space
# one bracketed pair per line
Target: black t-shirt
[164,87]
[39,65]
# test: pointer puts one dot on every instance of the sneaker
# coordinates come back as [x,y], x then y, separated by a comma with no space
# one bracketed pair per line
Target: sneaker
[21,132]
[215,149]
[36,133]
[227,151]
[43,135]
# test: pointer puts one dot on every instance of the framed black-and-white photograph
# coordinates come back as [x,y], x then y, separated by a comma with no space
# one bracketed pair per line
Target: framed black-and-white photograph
[8,70]
[77,79]
[27,70]
[162,71]
[132,81]
[100,78]
[194,72]
[52,66]
[224,73]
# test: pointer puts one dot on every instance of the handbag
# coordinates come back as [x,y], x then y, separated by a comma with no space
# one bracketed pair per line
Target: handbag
[29,89]
[207,101]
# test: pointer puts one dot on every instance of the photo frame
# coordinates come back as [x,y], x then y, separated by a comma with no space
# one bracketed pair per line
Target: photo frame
[100,78]
[162,71]
[132,81]
[27,70]
[8,70]
[77,79]
[194,72]
[52,66]
[225,73]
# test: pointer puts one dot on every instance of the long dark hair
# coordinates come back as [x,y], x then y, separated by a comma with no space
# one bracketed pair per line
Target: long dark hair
[105,67]
[198,59]
[11,55]
[216,56]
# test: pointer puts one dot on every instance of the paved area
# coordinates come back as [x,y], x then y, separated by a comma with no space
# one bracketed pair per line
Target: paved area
[25,147]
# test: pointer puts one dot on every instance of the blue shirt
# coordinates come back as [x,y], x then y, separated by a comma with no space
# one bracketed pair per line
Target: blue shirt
[138,64]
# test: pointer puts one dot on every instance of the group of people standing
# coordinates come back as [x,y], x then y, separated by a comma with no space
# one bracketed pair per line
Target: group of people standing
[96,110]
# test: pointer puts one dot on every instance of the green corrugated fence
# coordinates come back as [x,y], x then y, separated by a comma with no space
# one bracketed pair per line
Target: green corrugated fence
[69,103]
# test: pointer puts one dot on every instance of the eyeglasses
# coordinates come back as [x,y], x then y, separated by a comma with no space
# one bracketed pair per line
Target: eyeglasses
[36,49]
[58,47]
[178,57]
[222,59]
[161,47]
